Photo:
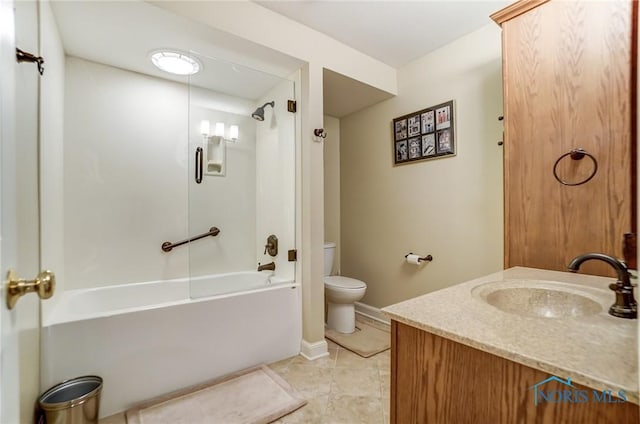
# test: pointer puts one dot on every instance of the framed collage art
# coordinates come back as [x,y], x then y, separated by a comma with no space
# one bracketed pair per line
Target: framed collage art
[425,134]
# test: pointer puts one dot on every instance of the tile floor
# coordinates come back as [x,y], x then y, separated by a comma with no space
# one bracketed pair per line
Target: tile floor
[343,388]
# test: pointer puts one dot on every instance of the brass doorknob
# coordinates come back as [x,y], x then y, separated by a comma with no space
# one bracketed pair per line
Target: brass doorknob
[44,285]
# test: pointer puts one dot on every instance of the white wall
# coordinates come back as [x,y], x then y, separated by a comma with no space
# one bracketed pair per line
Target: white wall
[450,208]
[311,182]
[275,178]
[125,176]
[127,172]
[332,186]
[51,150]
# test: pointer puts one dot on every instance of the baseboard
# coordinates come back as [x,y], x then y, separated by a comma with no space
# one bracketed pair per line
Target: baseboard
[313,351]
[371,312]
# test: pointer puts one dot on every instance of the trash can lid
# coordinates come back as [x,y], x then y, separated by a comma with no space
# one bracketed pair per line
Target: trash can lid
[70,393]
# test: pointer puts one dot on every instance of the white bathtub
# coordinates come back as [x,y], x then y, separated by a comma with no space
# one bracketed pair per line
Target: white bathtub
[147,339]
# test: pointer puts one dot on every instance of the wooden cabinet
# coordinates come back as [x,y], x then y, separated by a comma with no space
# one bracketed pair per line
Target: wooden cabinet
[436,380]
[568,83]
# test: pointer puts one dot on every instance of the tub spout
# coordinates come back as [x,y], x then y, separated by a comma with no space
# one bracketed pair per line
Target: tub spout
[271,266]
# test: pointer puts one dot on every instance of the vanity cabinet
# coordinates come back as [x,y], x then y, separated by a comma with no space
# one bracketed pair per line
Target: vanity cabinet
[437,380]
[568,83]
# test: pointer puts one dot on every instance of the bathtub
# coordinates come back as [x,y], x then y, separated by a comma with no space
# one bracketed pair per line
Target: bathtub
[148,339]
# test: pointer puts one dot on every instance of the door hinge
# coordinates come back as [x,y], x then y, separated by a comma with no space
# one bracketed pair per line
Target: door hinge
[292,255]
[292,106]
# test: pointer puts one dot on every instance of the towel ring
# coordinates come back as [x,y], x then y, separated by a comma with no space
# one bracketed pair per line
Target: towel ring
[576,154]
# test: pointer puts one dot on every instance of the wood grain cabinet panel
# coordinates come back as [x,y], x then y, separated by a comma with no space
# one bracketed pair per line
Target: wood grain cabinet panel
[567,71]
[438,381]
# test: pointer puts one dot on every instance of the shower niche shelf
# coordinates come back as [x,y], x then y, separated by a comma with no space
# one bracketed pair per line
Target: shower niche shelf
[216,156]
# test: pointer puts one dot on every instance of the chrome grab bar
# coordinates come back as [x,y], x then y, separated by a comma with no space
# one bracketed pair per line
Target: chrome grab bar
[167,245]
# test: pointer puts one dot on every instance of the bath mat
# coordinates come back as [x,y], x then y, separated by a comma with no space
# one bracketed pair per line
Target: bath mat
[256,395]
[366,341]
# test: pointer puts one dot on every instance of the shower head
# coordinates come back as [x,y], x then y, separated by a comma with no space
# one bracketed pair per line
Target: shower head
[259,113]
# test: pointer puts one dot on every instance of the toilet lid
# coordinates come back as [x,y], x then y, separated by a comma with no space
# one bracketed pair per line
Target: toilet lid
[340,282]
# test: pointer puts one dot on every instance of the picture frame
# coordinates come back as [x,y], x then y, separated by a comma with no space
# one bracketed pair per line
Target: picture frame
[428,121]
[444,142]
[413,125]
[401,153]
[425,134]
[400,129]
[429,145]
[414,148]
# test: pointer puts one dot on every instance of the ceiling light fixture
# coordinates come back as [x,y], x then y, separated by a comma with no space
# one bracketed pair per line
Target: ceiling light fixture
[175,62]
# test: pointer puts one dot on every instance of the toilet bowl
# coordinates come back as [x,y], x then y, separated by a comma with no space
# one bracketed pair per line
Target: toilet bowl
[341,294]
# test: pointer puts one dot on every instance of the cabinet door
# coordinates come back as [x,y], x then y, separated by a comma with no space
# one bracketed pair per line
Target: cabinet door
[567,85]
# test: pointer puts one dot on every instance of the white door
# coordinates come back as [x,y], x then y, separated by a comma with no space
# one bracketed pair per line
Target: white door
[9,388]
[19,210]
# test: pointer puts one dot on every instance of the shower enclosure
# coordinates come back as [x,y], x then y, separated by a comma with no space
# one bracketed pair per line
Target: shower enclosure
[137,159]
[241,170]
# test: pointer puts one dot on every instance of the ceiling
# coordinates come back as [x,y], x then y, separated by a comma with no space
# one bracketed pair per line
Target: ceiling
[393,32]
[122,34]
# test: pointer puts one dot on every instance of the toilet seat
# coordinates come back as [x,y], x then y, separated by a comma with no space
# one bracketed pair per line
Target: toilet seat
[340,282]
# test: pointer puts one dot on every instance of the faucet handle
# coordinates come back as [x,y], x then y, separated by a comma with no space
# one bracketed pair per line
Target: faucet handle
[272,246]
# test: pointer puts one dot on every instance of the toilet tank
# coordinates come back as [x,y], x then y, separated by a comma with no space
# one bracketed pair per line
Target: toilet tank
[329,255]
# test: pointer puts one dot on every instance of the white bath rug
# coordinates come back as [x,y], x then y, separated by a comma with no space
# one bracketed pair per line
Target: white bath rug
[253,396]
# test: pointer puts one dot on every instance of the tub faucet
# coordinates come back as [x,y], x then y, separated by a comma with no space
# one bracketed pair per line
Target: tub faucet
[271,266]
[625,305]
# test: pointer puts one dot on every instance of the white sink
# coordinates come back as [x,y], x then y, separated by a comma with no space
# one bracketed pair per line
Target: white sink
[539,298]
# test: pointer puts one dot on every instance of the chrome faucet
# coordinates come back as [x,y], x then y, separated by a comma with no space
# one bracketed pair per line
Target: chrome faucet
[625,305]
[271,266]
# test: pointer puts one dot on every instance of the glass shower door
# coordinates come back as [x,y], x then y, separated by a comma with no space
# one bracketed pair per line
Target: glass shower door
[241,178]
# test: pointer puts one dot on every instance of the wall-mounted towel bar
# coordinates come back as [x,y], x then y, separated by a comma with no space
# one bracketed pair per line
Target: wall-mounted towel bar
[167,245]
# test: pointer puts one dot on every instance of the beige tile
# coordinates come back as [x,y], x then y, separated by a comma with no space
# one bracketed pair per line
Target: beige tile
[356,382]
[383,359]
[281,365]
[333,345]
[385,379]
[313,412]
[386,407]
[348,359]
[113,419]
[386,397]
[311,381]
[385,389]
[345,409]
[326,362]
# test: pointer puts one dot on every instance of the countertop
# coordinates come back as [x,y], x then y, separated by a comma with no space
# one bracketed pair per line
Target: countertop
[598,351]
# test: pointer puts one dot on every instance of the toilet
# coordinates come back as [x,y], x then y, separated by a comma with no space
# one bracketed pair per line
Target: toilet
[341,293]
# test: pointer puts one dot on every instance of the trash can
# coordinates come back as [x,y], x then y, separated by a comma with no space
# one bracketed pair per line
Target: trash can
[74,401]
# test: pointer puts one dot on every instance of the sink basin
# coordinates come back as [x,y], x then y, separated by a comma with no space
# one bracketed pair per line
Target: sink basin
[539,299]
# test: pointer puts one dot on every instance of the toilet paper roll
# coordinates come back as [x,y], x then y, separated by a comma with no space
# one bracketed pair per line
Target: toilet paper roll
[413,259]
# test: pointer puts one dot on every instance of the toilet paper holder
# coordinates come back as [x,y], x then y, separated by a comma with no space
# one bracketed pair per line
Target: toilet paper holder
[427,258]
